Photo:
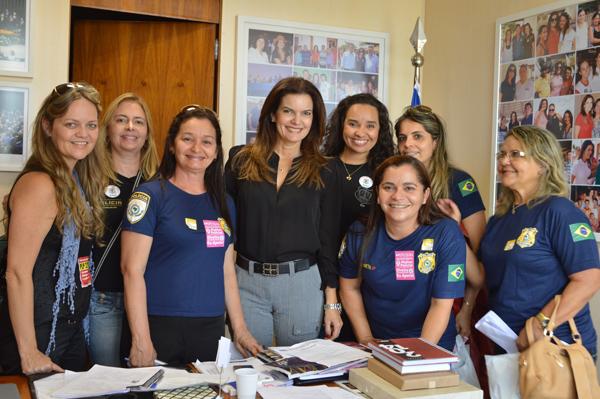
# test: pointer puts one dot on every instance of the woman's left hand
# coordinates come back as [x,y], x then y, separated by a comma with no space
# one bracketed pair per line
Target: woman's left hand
[333,323]
[538,332]
[449,208]
[246,344]
[463,321]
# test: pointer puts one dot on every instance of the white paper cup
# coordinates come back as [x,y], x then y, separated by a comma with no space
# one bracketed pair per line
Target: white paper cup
[246,380]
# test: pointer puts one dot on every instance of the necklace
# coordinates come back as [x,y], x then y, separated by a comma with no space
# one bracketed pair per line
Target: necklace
[348,174]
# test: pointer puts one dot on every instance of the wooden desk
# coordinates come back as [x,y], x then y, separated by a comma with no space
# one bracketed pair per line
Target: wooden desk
[22,384]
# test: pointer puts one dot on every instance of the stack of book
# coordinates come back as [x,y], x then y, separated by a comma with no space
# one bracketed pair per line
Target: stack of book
[413,363]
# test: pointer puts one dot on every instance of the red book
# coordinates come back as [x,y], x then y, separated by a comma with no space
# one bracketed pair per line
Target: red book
[406,352]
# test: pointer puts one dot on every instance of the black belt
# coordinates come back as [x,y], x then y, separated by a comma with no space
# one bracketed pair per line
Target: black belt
[274,269]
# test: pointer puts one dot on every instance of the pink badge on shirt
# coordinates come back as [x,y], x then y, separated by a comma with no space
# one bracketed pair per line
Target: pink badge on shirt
[405,265]
[215,237]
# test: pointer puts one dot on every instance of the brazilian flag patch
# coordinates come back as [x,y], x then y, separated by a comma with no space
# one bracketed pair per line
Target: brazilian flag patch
[456,273]
[467,187]
[581,231]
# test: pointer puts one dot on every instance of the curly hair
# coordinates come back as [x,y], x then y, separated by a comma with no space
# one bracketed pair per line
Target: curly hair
[334,144]
[93,170]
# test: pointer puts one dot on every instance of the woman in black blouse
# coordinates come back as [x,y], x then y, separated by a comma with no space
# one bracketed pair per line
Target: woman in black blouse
[286,235]
[359,138]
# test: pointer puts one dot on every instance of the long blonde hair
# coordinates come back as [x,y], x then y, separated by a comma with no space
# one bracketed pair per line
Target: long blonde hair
[542,147]
[439,166]
[149,155]
[92,170]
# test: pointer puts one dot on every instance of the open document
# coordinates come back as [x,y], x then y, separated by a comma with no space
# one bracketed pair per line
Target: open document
[498,331]
[317,356]
[103,380]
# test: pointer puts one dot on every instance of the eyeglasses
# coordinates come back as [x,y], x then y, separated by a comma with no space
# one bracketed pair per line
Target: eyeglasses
[65,87]
[512,155]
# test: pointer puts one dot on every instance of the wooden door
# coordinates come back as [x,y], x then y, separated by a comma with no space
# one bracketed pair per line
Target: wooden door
[169,63]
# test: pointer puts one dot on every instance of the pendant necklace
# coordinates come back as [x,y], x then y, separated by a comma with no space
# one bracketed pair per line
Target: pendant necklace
[348,174]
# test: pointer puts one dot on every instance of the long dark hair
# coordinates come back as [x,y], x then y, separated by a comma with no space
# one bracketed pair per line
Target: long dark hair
[213,177]
[334,144]
[252,160]
[429,213]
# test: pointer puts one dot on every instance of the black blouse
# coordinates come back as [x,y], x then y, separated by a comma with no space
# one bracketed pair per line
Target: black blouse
[292,223]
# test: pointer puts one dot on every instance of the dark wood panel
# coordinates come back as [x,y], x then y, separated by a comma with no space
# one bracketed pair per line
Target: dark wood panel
[170,64]
[196,10]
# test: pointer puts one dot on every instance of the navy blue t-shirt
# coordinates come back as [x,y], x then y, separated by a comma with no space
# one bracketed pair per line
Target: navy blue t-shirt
[528,257]
[400,277]
[184,274]
[464,192]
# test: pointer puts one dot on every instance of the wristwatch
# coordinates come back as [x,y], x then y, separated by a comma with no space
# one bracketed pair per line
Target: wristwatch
[333,306]
[543,319]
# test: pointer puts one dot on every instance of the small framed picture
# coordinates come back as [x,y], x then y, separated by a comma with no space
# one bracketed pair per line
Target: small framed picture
[14,37]
[14,139]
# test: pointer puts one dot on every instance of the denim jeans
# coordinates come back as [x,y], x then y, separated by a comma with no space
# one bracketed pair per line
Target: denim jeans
[106,318]
[288,307]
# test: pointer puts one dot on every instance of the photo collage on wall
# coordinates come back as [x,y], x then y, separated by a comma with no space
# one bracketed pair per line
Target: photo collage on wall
[336,66]
[549,76]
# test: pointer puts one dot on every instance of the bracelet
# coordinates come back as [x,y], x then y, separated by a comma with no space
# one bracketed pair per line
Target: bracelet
[333,306]
[543,319]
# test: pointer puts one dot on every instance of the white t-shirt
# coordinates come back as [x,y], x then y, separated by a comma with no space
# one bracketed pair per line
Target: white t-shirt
[581,39]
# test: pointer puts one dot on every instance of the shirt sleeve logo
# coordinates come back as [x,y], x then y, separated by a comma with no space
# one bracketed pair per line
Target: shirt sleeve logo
[527,237]
[467,187]
[138,204]
[426,262]
[581,232]
[456,273]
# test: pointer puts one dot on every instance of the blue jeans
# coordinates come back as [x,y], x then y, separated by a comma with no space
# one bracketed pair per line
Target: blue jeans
[288,307]
[106,319]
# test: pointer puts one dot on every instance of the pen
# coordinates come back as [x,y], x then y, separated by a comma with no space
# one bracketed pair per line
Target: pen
[150,383]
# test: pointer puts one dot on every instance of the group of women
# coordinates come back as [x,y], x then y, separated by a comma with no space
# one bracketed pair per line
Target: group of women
[308,213]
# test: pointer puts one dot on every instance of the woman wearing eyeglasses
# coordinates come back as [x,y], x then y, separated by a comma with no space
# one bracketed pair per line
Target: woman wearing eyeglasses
[538,244]
[422,135]
[287,220]
[177,252]
[401,270]
[55,215]
[358,139]
[128,131]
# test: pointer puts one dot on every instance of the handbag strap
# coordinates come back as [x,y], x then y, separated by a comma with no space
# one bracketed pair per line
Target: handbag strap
[110,244]
[581,376]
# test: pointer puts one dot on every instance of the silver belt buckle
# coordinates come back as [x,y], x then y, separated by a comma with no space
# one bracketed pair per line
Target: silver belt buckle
[270,269]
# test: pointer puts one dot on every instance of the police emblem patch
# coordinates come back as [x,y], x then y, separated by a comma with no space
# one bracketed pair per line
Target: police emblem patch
[467,187]
[224,226]
[581,232]
[138,204]
[456,273]
[426,262]
[527,237]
